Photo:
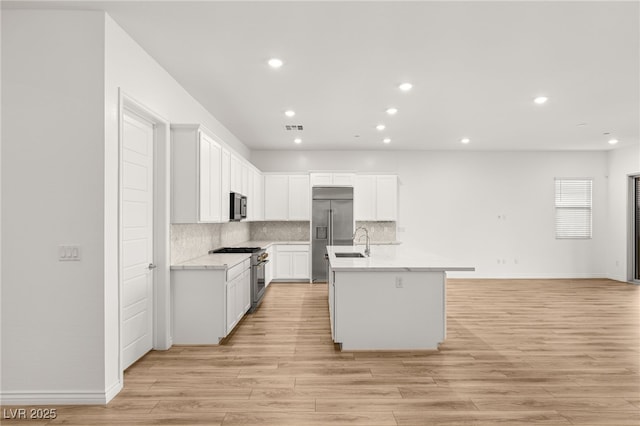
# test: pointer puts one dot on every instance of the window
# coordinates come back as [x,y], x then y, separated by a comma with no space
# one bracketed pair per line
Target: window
[573,208]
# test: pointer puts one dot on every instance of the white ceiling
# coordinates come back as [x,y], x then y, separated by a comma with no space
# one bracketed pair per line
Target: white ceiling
[475,67]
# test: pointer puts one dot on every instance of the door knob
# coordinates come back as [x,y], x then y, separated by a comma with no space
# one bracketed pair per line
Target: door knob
[152,266]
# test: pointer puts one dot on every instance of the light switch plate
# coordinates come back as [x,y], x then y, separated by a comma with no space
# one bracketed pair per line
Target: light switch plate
[68,253]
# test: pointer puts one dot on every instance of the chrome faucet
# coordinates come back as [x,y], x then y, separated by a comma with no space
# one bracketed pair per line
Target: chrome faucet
[367,249]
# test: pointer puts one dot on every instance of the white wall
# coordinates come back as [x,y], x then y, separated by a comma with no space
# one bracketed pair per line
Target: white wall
[52,180]
[449,203]
[61,71]
[622,163]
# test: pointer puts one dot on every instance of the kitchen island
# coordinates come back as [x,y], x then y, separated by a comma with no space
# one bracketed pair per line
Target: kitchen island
[393,299]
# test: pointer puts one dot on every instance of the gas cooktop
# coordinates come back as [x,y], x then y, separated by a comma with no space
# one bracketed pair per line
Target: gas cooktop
[236,250]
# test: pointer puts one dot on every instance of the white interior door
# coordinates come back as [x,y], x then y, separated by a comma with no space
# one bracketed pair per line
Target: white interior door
[137,239]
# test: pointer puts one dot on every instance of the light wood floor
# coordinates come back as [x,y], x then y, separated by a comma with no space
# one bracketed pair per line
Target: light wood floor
[517,353]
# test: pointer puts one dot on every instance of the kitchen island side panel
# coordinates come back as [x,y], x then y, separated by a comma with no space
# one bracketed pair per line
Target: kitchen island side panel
[199,306]
[380,310]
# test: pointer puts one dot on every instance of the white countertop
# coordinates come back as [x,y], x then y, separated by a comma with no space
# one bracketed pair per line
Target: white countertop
[213,261]
[228,260]
[392,258]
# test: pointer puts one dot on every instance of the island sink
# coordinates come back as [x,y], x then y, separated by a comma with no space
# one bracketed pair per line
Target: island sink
[349,254]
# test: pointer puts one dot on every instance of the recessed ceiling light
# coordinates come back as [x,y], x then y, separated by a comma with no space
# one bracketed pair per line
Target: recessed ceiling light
[540,100]
[392,111]
[297,140]
[275,63]
[465,140]
[386,140]
[380,127]
[405,87]
[613,141]
[289,113]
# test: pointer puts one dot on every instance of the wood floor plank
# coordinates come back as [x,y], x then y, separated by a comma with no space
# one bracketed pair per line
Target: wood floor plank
[330,392]
[208,405]
[518,352]
[440,403]
[311,419]
[479,418]
[513,403]
[600,418]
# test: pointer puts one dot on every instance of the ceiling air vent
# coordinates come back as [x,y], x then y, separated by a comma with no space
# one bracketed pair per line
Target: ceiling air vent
[293,127]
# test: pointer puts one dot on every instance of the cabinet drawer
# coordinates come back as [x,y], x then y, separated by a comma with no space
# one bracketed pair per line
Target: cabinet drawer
[237,270]
[293,247]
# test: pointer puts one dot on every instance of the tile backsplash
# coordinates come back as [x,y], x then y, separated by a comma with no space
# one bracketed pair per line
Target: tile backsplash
[192,240]
[379,231]
[280,231]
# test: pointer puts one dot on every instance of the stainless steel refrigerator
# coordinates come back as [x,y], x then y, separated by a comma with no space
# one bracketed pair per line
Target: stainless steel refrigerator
[331,224]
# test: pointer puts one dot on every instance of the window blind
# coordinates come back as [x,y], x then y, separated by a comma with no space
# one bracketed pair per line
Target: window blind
[573,208]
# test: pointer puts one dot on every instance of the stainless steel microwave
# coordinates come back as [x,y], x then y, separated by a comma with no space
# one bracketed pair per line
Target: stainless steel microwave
[238,206]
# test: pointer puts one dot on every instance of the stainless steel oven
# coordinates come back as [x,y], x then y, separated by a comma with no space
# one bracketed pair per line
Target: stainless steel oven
[258,283]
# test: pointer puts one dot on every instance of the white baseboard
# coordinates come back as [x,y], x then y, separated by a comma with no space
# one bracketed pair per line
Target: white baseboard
[113,391]
[528,276]
[60,397]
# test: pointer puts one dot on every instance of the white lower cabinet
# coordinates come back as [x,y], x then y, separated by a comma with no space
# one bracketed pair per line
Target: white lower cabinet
[270,266]
[209,303]
[292,262]
[238,298]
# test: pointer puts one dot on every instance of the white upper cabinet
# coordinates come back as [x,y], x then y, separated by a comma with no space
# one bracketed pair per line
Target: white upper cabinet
[344,179]
[332,179]
[210,179]
[196,175]
[257,200]
[276,197]
[321,179]
[204,173]
[376,197]
[286,197]
[254,194]
[235,174]
[225,187]
[364,198]
[299,198]
[247,184]
[387,197]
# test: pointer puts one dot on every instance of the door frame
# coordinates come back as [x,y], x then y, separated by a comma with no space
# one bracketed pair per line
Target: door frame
[631,230]
[162,333]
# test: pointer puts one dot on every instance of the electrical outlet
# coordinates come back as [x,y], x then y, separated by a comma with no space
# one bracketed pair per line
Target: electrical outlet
[68,253]
[398,282]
